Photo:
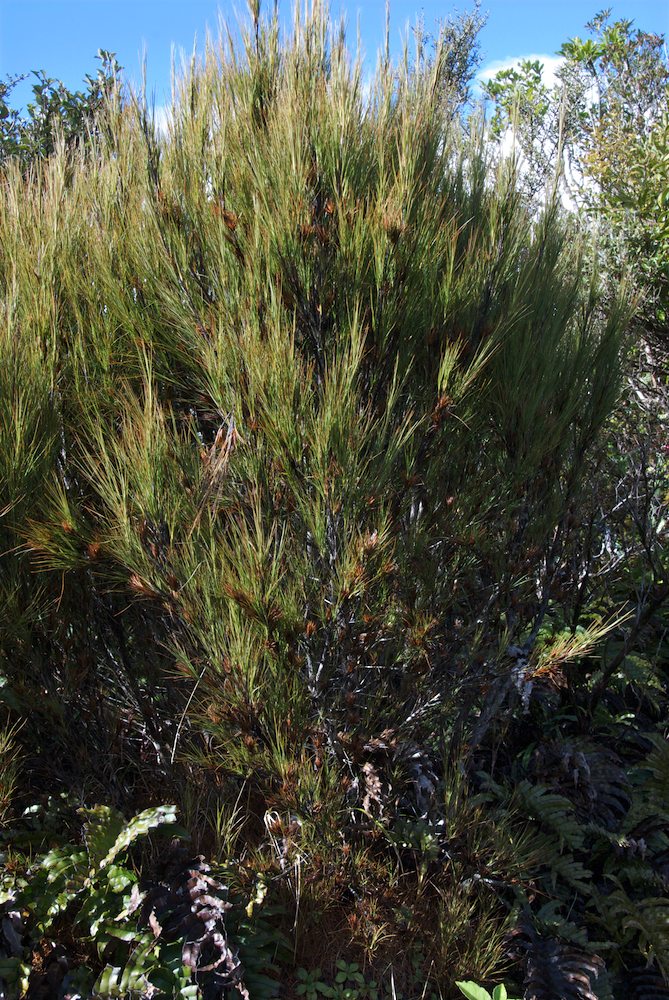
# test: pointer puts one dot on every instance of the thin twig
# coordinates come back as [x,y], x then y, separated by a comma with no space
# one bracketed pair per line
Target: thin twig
[183,715]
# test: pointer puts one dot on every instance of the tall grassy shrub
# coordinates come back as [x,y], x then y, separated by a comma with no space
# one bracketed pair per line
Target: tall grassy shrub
[297,405]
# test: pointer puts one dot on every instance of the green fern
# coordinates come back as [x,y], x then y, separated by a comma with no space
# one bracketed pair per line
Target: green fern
[658,765]
[100,895]
[643,923]
[554,968]
[552,811]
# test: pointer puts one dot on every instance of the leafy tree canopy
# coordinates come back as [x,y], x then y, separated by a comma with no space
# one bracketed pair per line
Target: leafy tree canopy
[604,125]
[55,111]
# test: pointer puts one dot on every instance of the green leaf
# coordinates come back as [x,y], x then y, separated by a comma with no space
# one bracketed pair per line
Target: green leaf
[121,933]
[136,969]
[104,824]
[107,982]
[472,991]
[63,861]
[139,826]
[120,878]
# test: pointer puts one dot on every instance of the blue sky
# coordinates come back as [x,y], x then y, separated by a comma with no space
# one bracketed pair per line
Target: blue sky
[62,36]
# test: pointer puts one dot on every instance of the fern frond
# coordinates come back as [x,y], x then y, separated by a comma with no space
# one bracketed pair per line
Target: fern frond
[553,811]
[643,923]
[591,777]
[555,969]
[645,983]
[658,765]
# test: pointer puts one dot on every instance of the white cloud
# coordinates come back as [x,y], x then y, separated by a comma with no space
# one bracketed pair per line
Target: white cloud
[162,116]
[551,65]
[507,142]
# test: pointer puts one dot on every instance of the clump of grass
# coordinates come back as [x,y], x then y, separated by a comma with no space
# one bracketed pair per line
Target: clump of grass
[10,770]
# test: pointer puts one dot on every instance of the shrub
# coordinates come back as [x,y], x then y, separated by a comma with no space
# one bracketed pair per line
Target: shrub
[302,414]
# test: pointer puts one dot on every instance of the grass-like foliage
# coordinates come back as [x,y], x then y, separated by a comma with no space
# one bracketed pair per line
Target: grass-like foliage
[301,412]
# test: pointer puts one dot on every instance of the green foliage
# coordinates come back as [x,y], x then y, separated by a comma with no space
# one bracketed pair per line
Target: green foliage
[98,897]
[474,992]
[349,984]
[10,770]
[603,128]
[55,113]
[310,483]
